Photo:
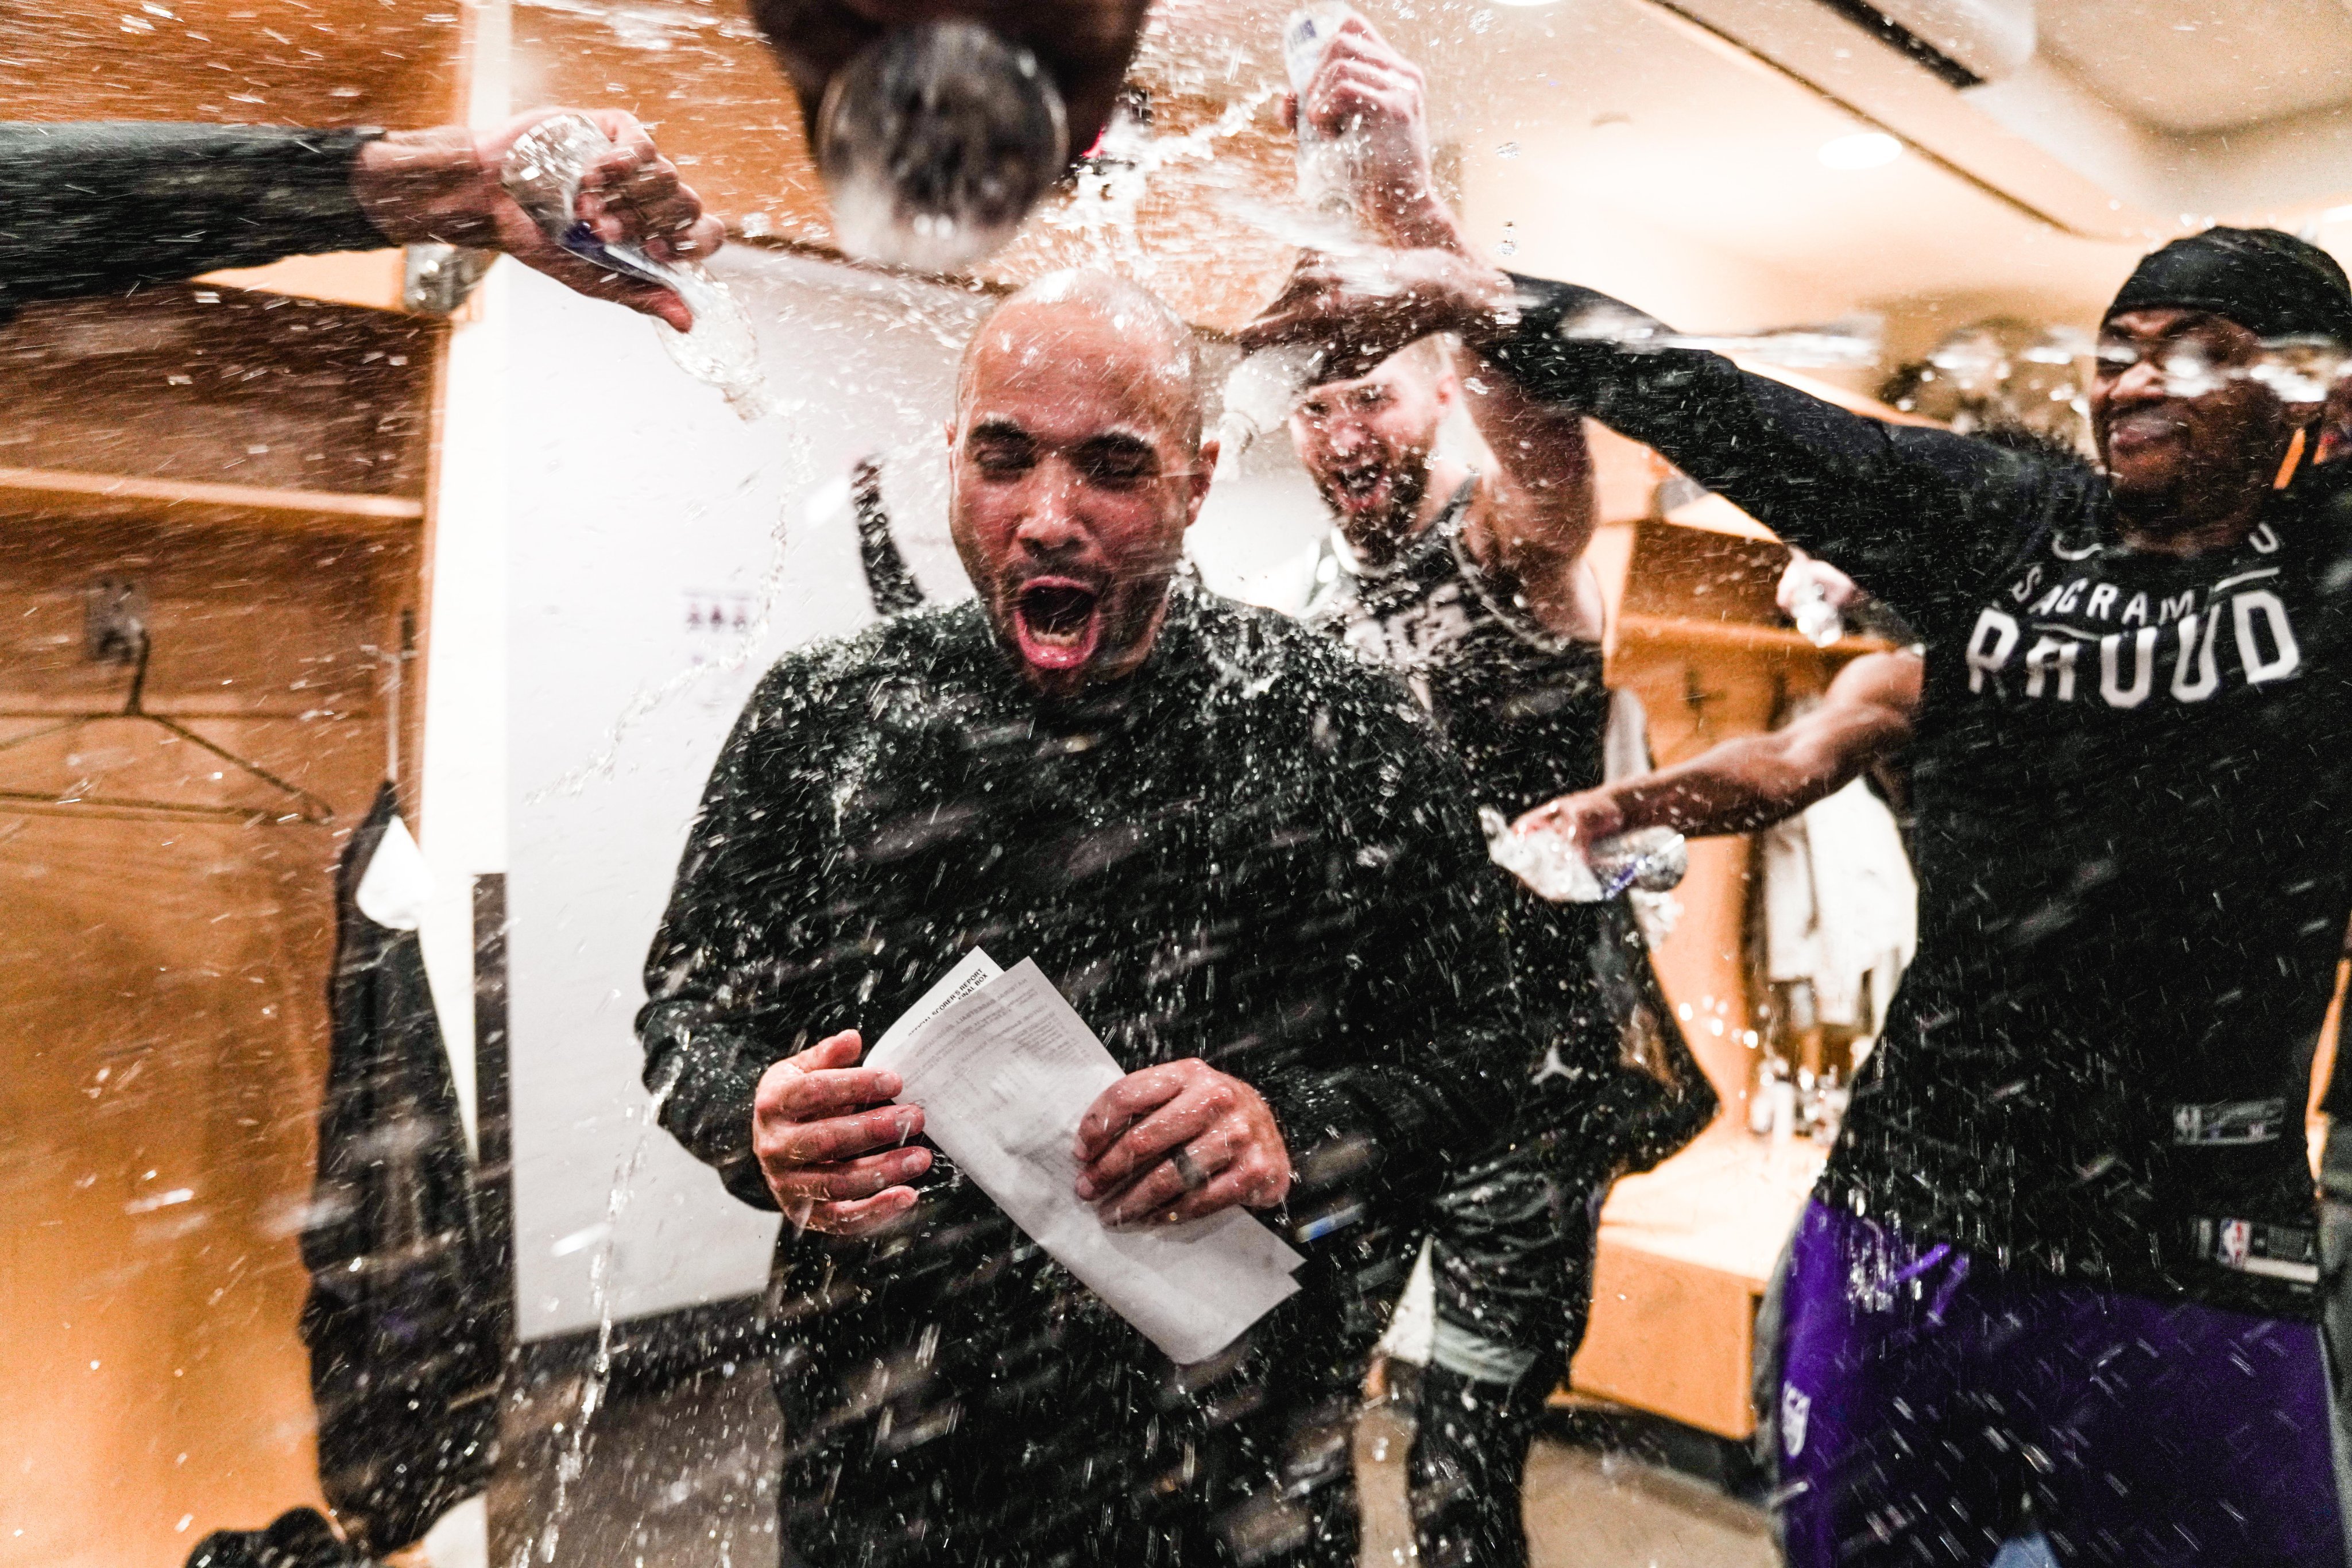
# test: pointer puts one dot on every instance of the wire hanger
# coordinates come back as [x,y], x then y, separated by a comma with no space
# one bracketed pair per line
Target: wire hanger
[306,807]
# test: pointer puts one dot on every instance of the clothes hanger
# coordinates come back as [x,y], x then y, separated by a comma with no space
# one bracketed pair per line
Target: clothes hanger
[306,808]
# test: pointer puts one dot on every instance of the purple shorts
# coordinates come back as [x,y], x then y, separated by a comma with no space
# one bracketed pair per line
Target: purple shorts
[1932,1406]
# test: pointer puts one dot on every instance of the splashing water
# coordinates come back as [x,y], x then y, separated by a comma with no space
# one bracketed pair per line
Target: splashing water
[1112,186]
[1851,342]
[544,172]
[573,1462]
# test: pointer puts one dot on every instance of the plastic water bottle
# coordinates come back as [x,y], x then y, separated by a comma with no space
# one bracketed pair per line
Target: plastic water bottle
[1817,618]
[1324,162]
[1556,867]
[543,172]
[1655,860]
[1259,395]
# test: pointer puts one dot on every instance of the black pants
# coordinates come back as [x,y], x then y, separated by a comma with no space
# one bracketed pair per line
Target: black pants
[1469,1463]
[1526,1269]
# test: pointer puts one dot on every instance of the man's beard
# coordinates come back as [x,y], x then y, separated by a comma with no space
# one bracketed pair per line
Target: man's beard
[1394,521]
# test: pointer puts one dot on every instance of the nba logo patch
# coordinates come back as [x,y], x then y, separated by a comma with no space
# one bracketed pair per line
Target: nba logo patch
[1795,1406]
[2232,1241]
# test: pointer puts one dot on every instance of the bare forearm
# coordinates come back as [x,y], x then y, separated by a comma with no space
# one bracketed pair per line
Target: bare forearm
[1737,786]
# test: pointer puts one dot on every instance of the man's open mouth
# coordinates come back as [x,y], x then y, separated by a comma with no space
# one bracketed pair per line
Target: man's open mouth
[1057,621]
[1356,486]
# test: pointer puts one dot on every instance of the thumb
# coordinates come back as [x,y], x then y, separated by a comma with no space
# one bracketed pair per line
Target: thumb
[841,1049]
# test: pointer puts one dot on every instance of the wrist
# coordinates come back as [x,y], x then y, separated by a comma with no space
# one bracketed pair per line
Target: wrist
[427,185]
[1609,815]
[1485,304]
[1418,220]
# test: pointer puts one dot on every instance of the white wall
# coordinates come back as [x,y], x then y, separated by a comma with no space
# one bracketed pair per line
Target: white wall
[635,497]
[462,823]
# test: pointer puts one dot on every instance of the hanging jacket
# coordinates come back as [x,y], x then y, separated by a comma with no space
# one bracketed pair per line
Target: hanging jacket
[403,1312]
[298,1538]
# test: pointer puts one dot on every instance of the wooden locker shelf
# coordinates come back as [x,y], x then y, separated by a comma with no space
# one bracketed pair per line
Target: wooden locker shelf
[65,493]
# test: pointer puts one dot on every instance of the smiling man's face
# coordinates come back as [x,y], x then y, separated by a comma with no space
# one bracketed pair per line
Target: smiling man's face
[2177,415]
[1075,467]
[1365,443]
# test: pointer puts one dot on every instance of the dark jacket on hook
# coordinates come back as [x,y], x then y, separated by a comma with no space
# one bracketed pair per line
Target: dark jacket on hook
[402,1319]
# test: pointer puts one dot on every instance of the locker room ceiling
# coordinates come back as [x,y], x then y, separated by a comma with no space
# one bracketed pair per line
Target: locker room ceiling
[1676,142]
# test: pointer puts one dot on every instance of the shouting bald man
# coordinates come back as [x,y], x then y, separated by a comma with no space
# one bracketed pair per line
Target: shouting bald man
[1243,857]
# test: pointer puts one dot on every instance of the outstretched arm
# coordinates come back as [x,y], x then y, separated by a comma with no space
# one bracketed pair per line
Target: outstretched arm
[108,208]
[1756,780]
[1921,517]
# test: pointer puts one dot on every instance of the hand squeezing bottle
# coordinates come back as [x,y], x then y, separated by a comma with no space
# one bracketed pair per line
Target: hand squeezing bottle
[1259,393]
[543,172]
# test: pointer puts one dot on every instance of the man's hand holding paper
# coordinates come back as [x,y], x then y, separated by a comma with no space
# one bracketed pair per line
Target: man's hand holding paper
[1178,1141]
[1005,1070]
[817,1122]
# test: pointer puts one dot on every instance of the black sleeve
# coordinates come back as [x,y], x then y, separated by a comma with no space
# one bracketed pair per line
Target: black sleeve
[1420,1070]
[106,208]
[1920,517]
[723,998]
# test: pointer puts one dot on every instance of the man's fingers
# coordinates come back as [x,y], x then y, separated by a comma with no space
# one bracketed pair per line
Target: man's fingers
[830,1092]
[1172,1126]
[1228,1191]
[696,241]
[1189,1167]
[653,198]
[849,1219]
[626,133]
[1546,816]
[1135,1095]
[848,1179]
[837,1139]
[1245,1184]
[837,1050]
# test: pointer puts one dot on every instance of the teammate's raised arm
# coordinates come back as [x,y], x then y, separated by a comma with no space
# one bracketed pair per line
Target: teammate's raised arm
[1531,517]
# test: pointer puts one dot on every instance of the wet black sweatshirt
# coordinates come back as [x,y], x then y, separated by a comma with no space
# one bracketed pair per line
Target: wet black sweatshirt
[2132,828]
[106,208]
[1253,851]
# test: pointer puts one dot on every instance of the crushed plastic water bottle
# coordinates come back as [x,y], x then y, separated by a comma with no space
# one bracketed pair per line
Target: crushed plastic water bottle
[544,173]
[1324,162]
[936,141]
[1653,860]
[1817,618]
[1555,866]
[1259,396]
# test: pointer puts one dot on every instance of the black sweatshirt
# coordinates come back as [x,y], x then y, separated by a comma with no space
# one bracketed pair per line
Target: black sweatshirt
[2131,829]
[108,208]
[1253,851]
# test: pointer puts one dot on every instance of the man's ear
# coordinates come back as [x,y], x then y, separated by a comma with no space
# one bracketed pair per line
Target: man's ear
[1205,470]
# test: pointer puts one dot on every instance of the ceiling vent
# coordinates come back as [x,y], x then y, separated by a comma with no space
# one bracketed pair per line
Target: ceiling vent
[1967,42]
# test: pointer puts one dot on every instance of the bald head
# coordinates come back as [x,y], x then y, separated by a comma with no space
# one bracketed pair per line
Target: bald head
[1076,463]
[1114,318]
